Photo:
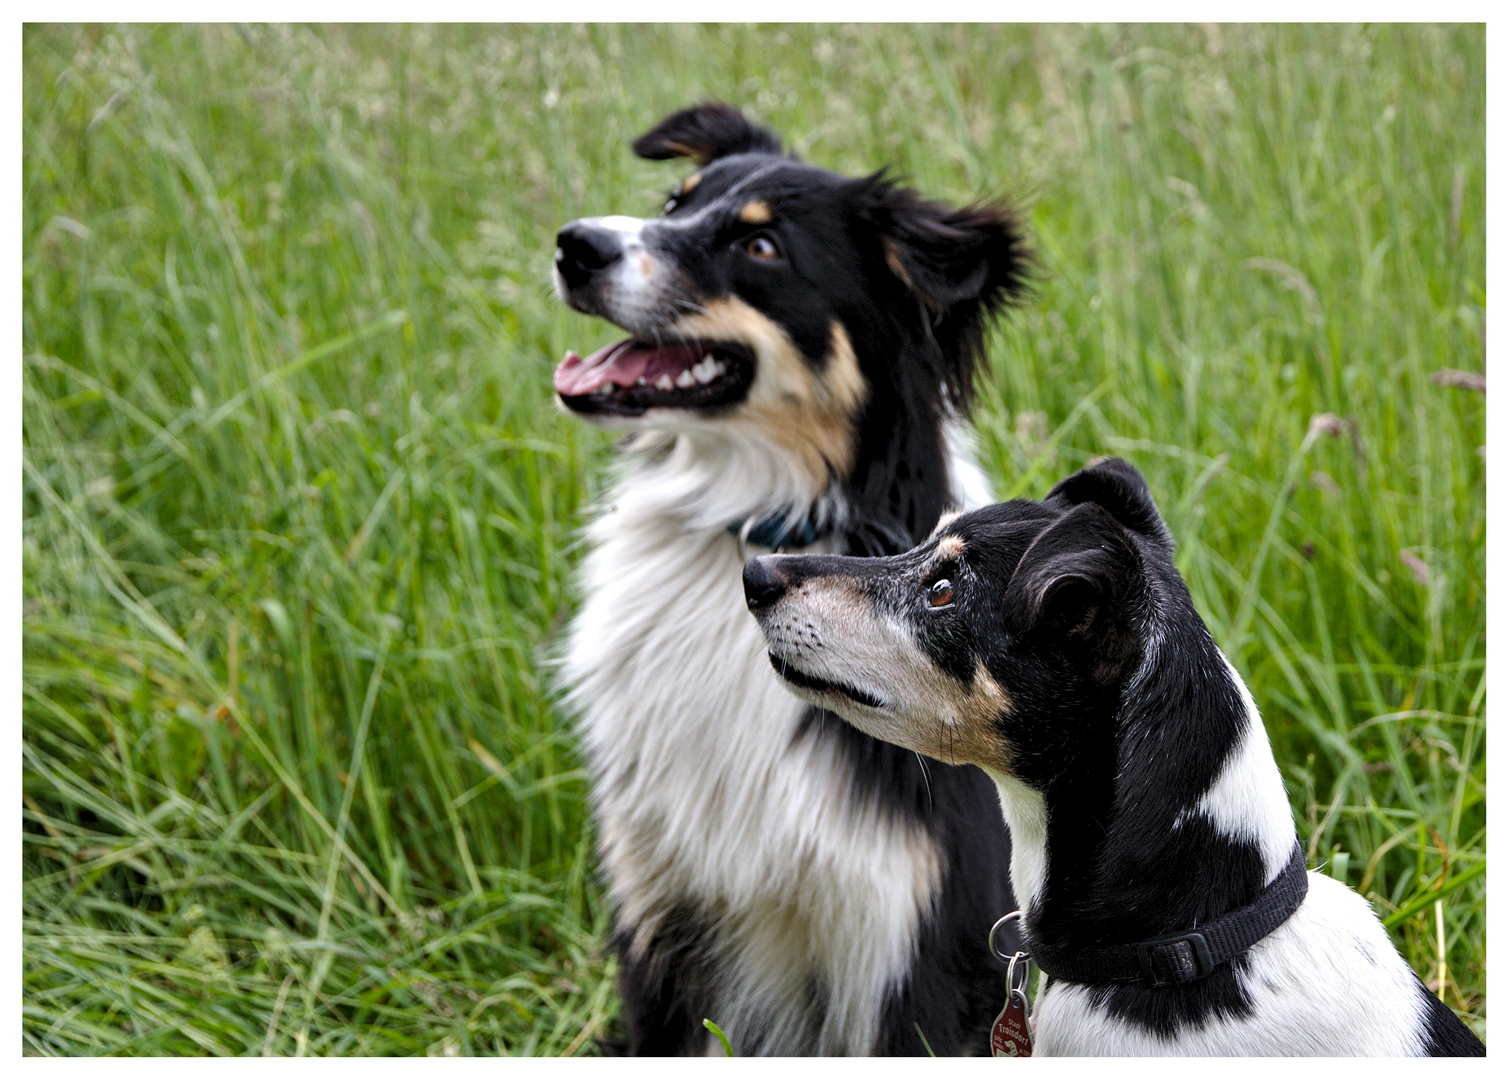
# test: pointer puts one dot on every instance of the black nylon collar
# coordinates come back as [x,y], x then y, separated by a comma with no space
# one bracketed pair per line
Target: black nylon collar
[1183,958]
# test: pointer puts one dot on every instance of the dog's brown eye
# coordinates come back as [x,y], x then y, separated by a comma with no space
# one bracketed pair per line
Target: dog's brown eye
[941,594]
[761,247]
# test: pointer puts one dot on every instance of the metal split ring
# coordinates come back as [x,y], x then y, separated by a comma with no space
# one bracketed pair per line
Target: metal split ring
[1014,916]
[1023,963]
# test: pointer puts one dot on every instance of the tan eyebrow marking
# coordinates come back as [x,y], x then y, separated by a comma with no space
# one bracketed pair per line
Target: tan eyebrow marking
[689,183]
[943,519]
[950,547]
[756,212]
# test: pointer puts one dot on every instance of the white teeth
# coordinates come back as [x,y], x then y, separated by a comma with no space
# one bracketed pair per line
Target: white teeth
[639,381]
[686,378]
[707,369]
[663,383]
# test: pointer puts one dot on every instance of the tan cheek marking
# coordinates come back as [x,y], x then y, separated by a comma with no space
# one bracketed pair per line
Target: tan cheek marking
[846,386]
[963,729]
[950,547]
[809,414]
[755,212]
[689,183]
[984,704]
[979,708]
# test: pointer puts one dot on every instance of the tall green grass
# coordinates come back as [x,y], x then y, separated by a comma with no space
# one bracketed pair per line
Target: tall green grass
[299,515]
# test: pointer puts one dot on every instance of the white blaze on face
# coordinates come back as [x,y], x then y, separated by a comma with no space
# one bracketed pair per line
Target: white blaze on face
[633,284]
[636,278]
[628,227]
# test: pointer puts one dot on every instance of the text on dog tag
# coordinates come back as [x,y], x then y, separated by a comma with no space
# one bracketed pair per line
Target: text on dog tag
[1009,1035]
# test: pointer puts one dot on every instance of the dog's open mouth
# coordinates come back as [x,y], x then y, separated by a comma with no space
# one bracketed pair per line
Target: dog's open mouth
[629,377]
[800,678]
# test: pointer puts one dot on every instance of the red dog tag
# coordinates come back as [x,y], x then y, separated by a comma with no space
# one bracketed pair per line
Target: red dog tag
[1009,1035]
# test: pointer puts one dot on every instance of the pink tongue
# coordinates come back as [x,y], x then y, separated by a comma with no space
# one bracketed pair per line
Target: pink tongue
[623,363]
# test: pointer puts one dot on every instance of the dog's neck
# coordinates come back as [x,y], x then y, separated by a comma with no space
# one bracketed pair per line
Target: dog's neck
[711,482]
[705,481]
[1177,817]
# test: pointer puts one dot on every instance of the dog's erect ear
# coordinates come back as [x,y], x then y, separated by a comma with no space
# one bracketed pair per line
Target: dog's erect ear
[1119,488]
[705,133]
[1072,586]
[963,263]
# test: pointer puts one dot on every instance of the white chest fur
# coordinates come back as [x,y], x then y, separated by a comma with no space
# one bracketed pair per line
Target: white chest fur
[702,793]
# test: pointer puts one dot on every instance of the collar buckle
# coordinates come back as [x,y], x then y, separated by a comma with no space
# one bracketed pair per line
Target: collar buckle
[1175,960]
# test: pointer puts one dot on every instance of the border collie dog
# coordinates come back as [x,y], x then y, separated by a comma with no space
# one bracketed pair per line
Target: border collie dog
[801,352]
[1054,645]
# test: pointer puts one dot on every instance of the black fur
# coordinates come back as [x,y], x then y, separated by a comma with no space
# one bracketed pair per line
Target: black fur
[956,987]
[913,284]
[704,133]
[1122,715]
[1446,1035]
[1119,870]
[961,263]
[1055,598]
[660,990]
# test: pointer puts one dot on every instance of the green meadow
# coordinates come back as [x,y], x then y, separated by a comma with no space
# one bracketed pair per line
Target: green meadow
[300,516]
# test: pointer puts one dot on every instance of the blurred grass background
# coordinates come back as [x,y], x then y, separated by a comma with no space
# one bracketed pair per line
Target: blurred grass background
[299,514]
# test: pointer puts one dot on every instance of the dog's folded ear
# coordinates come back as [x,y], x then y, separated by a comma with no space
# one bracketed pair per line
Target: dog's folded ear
[705,133]
[962,263]
[1120,489]
[1073,585]
[949,255]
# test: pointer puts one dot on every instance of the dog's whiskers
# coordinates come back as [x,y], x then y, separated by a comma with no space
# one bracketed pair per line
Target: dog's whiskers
[927,782]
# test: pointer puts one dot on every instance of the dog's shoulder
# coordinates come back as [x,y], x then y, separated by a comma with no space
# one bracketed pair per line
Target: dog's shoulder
[1333,965]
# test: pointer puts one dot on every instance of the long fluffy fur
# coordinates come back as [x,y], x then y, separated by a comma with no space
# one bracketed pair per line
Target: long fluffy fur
[806,887]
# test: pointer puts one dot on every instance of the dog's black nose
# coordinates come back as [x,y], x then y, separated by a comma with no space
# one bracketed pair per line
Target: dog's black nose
[582,249]
[763,585]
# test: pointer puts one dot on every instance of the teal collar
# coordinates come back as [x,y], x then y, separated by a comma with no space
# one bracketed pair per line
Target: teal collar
[774,532]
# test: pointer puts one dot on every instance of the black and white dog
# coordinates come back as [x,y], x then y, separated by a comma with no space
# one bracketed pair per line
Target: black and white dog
[800,359]
[1054,645]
